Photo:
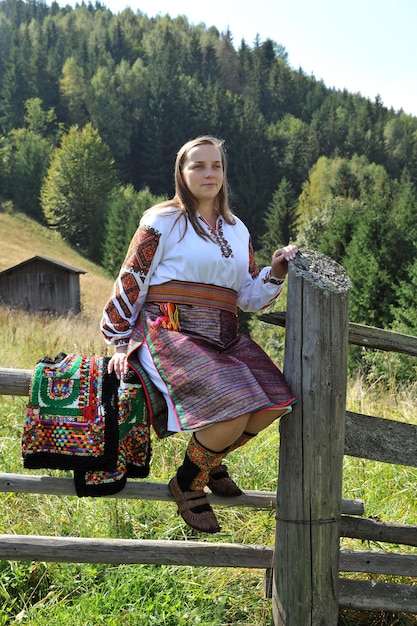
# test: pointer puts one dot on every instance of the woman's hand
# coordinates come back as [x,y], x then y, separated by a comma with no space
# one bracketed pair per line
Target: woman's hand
[118,363]
[279,265]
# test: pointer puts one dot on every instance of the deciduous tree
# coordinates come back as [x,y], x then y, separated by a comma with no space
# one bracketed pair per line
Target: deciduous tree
[76,192]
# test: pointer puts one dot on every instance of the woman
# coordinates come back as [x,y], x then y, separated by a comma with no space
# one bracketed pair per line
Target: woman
[172,317]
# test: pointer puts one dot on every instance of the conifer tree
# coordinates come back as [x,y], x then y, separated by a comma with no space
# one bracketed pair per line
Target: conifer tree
[126,208]
[279,221]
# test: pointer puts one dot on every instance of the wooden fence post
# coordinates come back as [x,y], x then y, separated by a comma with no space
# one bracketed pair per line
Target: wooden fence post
[306,559]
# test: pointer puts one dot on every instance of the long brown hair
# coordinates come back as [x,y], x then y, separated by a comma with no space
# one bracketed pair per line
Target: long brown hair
[184,199]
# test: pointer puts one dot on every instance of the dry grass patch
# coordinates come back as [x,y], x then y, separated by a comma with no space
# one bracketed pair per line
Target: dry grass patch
[22,238]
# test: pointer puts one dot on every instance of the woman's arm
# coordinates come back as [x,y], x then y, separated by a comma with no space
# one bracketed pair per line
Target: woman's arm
[261,288]
[129,294]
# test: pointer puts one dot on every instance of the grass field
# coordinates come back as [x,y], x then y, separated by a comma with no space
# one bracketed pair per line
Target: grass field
[88,594]
[57,594]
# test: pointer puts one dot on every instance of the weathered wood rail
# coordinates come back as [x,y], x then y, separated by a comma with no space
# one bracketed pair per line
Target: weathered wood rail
[311,515]
[361,335]
[52,485]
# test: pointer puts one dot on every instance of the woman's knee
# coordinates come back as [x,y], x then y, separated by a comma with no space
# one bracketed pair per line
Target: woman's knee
[222,434]
[262,419]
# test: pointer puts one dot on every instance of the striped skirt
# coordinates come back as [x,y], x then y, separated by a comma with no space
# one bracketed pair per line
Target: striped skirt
[207,372]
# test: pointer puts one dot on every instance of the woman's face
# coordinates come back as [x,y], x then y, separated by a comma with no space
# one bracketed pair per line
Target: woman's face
[202,172]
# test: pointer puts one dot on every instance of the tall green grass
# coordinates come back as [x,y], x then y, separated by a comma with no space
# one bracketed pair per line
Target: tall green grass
[56,594]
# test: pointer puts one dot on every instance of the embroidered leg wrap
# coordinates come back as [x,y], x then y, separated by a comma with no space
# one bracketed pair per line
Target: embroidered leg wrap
[194,473]
[240,441]
[187,487]
[220,482]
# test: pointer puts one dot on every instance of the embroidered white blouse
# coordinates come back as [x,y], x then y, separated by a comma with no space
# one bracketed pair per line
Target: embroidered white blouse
[160,251]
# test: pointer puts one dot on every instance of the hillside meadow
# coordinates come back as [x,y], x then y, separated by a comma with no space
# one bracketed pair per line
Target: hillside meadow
[21,238]
[54,594]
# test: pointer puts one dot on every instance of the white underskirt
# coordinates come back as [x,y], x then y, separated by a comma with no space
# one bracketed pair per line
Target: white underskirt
[148,365]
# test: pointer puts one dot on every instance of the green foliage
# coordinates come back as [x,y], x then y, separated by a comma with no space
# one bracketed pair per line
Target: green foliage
[126,209]
[405,315]
[291,139]
[75,195]
[317,190]
[25,154]
[73,90]
[353,212]
[400,134]
[38,120]
[114,96]
[270,337]
[279,221]
[147,84]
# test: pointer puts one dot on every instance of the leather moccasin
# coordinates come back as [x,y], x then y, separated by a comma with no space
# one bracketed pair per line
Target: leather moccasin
[204,521]
[221,484]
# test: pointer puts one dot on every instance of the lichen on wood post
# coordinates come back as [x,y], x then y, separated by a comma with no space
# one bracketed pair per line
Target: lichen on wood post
[306,567]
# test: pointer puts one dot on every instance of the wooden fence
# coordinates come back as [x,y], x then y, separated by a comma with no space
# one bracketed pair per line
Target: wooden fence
[304,579]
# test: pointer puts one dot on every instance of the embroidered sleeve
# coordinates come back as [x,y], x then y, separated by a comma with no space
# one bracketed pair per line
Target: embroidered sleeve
[131,286]
[142,251]
[253,268]
[255,294]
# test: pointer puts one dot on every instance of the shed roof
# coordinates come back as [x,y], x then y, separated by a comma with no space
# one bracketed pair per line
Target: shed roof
[64,266]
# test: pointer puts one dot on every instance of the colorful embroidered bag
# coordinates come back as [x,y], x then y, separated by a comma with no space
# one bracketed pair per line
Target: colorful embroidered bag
[81,418]
[72,415]
[134,452]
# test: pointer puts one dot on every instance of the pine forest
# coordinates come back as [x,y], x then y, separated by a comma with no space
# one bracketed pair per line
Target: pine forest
[95,105]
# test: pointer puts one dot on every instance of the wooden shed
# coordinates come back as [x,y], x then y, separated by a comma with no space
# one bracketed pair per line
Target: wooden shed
[41,284]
